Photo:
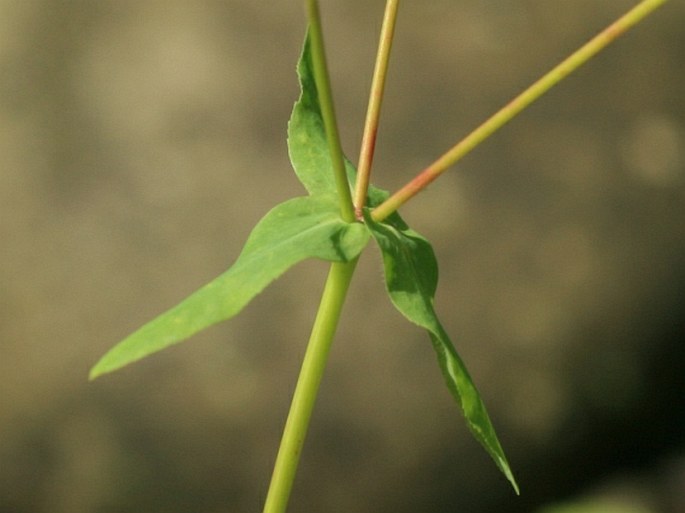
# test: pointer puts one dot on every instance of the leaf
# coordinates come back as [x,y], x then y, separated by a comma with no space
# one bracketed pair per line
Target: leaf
[411,275]
[307,145]
[300,228]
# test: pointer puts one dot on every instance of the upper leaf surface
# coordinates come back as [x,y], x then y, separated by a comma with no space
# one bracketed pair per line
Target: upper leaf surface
[300,228]
[411,275]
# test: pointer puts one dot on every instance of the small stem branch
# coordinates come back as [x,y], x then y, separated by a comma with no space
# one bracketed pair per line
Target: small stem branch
[374,109]
[323,86]
[315,358]
[514,107]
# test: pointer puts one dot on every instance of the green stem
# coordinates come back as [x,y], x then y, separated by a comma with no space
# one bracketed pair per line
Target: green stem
[334,294]
[323,331]
[373,112]
[323,87]
[514,107]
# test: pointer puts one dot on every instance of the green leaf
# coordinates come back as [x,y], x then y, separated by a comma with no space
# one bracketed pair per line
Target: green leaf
[411,275]
[307,145]
[300,228]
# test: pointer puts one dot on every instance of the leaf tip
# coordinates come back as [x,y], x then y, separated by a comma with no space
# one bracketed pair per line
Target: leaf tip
[512,480]
[110,362]
[98,370]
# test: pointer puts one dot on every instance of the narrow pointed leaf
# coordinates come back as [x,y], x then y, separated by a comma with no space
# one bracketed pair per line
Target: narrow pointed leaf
[300,228]
[411,275]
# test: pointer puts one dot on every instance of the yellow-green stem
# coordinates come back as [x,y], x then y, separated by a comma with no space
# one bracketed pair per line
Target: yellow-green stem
[307,387]
[514,107]
[332,300]
[374,109]
[323,87]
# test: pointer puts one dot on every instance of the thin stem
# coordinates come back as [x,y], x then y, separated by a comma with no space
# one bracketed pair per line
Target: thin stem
[373,112]
[514,107]
[328,111]
[315,358]
[332,300]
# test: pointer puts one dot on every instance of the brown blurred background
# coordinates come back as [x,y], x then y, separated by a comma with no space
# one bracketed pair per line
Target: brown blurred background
[141,141]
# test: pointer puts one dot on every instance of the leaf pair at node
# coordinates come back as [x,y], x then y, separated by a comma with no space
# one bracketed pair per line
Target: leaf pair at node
[311,227]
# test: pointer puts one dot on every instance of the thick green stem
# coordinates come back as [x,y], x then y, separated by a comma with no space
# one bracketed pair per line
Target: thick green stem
[514,107]
[315,358]
[323,87]
[373,112]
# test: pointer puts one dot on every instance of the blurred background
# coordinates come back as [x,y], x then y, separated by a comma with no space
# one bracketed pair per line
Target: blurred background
[141,141]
